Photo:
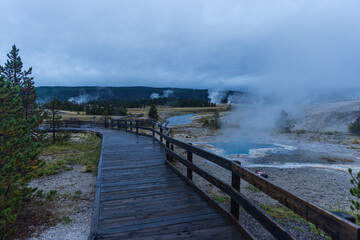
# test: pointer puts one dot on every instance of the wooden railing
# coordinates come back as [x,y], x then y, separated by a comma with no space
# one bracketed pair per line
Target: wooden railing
[333,225]
[72,124]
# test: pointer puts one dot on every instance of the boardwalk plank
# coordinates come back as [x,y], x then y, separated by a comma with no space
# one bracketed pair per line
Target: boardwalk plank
[181,230]
[141,198]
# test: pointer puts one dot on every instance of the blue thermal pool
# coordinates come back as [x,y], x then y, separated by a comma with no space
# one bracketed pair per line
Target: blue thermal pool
[180,120]
[242,147]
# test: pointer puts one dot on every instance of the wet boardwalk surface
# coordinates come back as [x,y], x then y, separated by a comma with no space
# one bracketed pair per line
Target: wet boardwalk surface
[139,197]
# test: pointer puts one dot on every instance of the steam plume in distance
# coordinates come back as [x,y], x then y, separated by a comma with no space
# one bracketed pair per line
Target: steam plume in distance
[166,93]
[83,98]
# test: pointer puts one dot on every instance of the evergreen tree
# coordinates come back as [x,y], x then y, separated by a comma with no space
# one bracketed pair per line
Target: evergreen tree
[106,118]
[153,114]
[18,156]
[54,117]
[13,72]
[28,96]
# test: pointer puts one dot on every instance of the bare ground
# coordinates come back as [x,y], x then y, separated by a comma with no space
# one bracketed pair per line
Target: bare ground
[74,204]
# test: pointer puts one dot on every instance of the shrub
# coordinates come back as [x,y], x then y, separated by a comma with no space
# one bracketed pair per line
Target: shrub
[215,122]
[153,114]
[355,191]
[284,123]
[354,127]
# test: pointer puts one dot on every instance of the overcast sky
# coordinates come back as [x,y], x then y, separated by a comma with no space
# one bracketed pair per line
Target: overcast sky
[224,44]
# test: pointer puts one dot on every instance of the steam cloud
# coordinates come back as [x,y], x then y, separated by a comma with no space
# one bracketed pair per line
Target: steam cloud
[166,93]
[154,96]
[83,98]
[216,96]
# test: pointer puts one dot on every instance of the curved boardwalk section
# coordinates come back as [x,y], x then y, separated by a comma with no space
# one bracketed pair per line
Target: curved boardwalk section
[139,197]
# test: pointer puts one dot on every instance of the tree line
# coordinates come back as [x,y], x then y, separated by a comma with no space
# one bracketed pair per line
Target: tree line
[97,107]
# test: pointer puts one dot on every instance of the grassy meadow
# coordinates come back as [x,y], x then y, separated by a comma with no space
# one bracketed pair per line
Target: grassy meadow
[163,111]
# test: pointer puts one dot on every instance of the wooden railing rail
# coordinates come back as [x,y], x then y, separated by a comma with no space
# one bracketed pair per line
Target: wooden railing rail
[266,220]
[71,123]
[335,226]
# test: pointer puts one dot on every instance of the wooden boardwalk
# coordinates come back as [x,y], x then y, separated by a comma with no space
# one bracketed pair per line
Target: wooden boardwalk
[139,197]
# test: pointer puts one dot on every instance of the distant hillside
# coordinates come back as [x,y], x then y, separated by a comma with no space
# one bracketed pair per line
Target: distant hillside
[85,94]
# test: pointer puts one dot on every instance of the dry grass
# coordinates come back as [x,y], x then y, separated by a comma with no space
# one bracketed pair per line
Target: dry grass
[171,111]
[84,150]
[164,112]
[68,115]
[335,159]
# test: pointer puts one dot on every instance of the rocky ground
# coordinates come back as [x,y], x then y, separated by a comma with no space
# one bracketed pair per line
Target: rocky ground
[73,204]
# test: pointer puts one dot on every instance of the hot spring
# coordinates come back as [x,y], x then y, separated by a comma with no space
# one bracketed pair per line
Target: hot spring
[180,120]
[244,147]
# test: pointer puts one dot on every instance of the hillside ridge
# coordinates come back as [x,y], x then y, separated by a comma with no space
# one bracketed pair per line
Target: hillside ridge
[89,93]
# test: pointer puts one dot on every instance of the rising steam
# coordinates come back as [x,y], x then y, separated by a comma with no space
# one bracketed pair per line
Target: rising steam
[166,93]
[83,98]
[216,96]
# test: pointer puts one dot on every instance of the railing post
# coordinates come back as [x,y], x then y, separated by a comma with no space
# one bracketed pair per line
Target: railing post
[235,183]
[190,159]
[130,125]
[137,126]
[161,131]
[172,136]
[153,133]
[172,145]
[167,155]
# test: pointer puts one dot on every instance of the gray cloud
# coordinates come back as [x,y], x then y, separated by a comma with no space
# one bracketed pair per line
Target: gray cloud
[272,46]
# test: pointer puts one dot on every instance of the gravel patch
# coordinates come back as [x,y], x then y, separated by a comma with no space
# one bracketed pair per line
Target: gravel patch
[74,204]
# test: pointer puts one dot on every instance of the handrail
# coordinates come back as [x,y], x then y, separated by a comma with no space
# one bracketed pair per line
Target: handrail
[332,224]
[270,224]
[129,116]
[70,123]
